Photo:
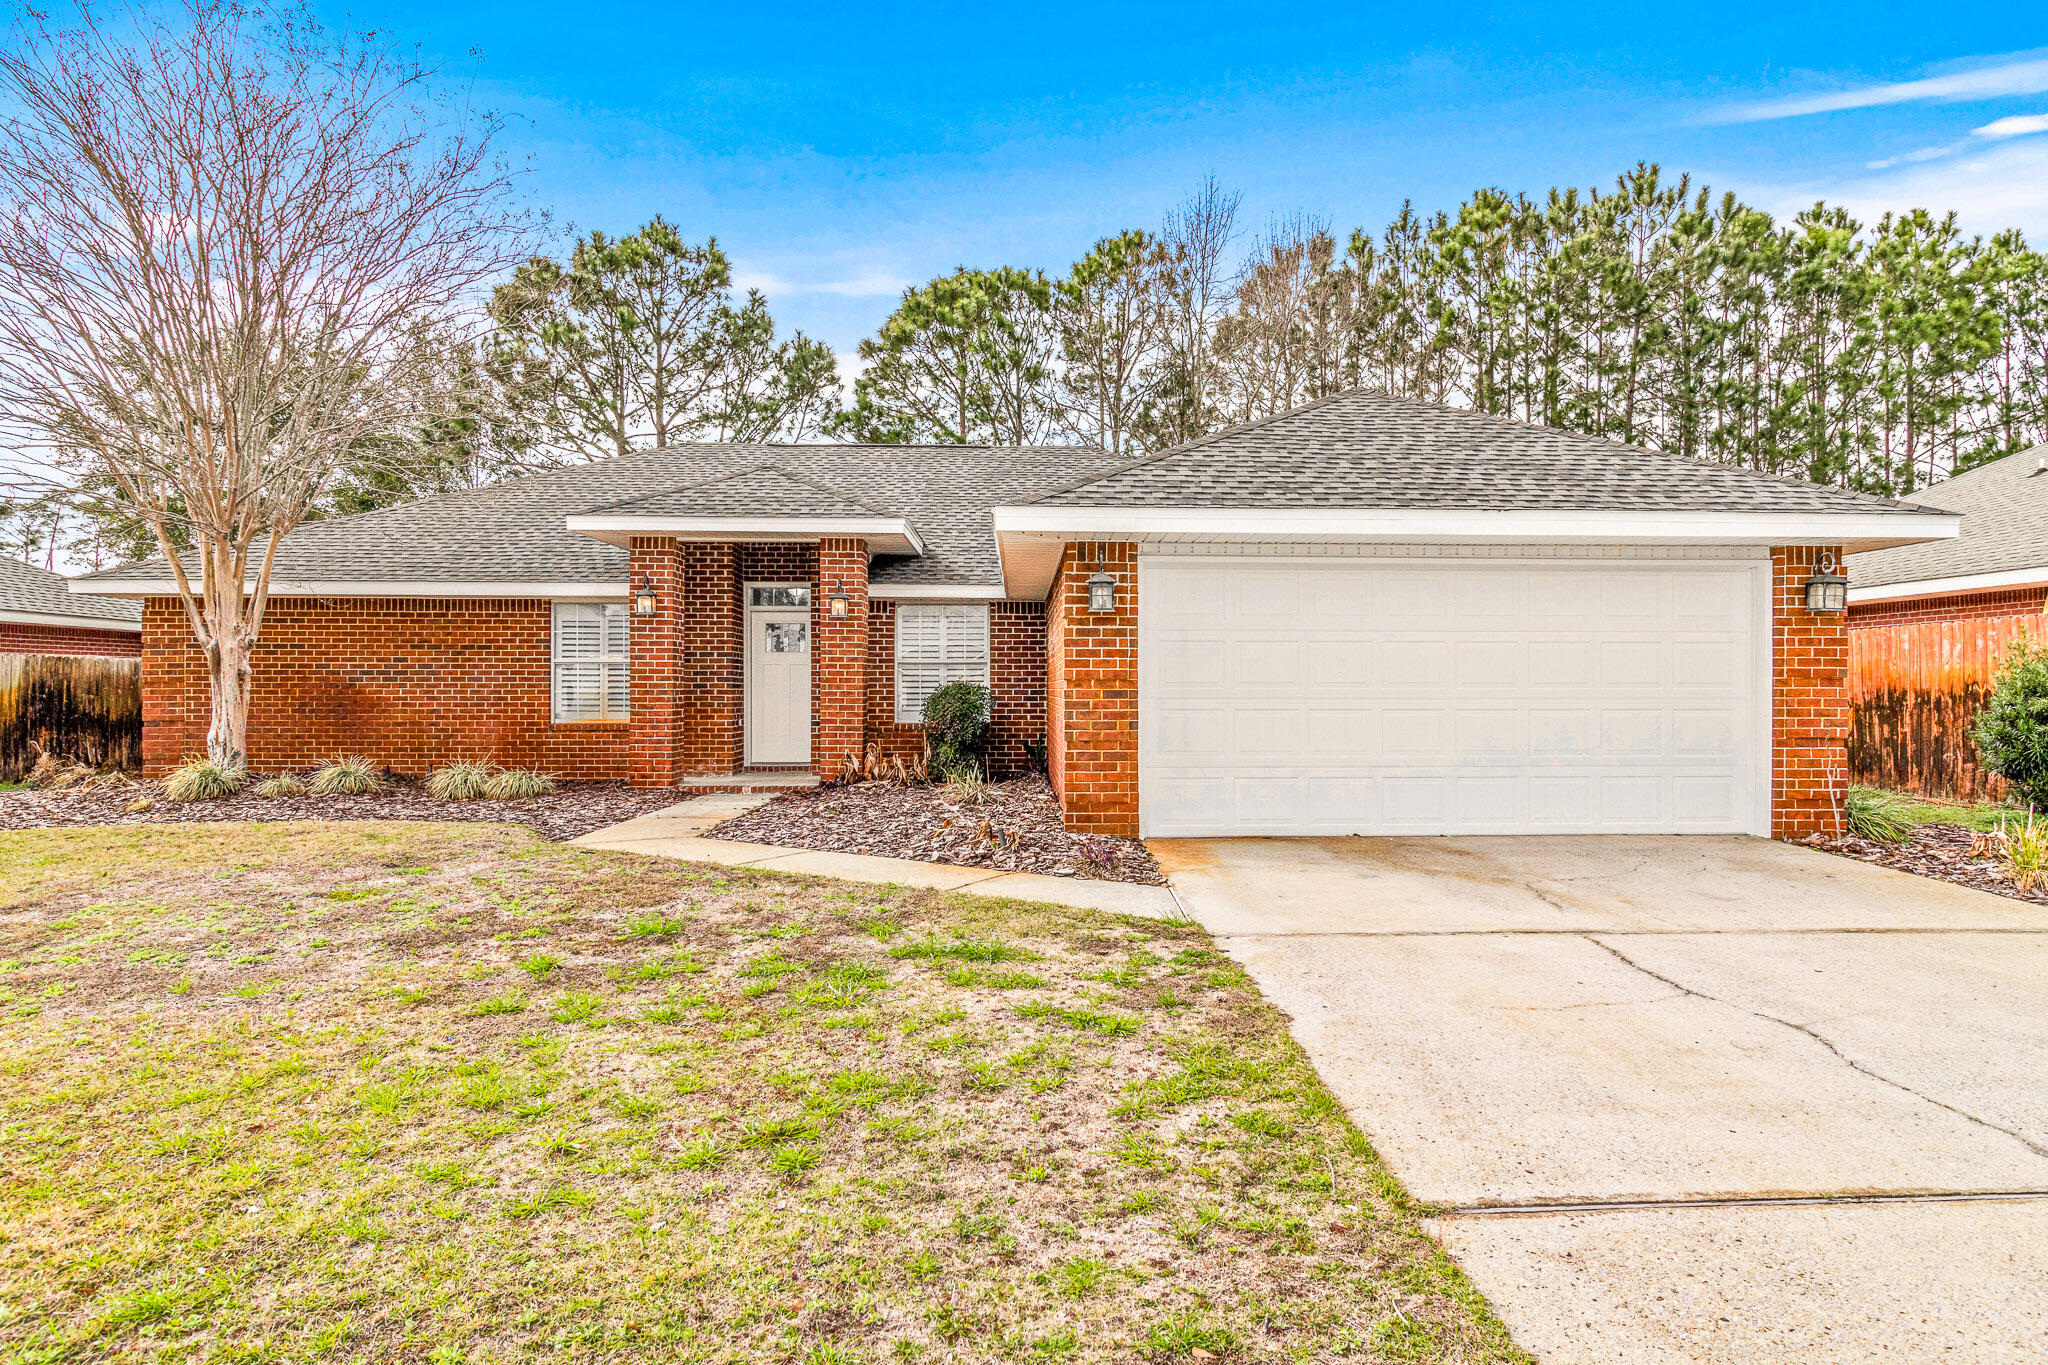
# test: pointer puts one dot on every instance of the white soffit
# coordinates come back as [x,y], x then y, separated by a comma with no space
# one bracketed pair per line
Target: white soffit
[1947,587]
[43,618]
[287,587]
[884,535]
[1029,538]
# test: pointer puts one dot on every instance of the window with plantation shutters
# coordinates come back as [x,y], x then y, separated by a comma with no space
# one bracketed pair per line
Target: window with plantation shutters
[593,642]
[936,645]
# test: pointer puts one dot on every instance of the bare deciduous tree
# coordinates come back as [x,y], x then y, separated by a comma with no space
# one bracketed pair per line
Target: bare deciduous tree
[222,231]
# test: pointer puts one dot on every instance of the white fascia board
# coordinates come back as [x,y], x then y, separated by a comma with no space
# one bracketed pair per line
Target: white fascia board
[885,535]
[42,618]
[1866,530]
[937,592]
[288,587]
[1946,587]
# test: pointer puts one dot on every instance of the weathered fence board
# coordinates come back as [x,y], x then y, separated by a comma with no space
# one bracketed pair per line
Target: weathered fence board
[85,709]
[1914,690]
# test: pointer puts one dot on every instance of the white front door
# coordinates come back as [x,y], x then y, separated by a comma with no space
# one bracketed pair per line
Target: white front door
[1452,696]
[778,724]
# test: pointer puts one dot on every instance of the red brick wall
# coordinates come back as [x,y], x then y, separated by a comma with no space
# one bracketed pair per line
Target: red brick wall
[657,667]
[1809,701]
[1092,691]
[1965,606]
[1016,642]
[839,658]
[19,637]
[410,682]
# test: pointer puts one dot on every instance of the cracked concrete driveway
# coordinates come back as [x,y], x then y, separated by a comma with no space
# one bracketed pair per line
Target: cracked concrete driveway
[1686,1099]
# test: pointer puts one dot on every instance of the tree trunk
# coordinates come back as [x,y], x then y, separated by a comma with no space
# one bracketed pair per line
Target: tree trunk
[227,734]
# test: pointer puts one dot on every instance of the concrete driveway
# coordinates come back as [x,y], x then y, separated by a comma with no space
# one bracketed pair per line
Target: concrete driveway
[1687,1099]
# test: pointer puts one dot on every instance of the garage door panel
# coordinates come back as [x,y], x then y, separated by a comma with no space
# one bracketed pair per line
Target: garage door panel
[1384,696]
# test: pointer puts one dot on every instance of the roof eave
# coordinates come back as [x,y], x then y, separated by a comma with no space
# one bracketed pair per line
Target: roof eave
[46,618]
[1028,537]
[2035,577]
[884,535]
[566,590]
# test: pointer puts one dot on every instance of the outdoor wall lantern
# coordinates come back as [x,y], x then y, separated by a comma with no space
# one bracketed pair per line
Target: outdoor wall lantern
[1101,592]
[839,604]
[643,598]
[1827,590]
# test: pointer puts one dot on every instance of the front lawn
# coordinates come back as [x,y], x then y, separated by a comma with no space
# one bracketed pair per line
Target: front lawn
[450,1093]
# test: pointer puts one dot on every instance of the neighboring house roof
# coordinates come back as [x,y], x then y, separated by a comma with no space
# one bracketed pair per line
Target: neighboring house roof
[515,532]
[2004,537]
[1364,450]
[36,597]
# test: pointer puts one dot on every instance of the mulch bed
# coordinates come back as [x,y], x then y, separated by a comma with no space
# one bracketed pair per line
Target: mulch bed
[1938,851]
[1018,830]
[575,807]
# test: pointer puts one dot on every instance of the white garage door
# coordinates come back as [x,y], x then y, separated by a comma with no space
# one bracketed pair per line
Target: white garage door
[1430,696]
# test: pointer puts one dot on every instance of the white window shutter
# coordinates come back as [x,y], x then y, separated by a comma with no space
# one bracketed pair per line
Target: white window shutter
[592,661]
[936,645]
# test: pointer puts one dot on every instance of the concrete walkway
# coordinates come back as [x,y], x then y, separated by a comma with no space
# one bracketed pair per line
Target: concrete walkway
[677,832]
[1686,1099]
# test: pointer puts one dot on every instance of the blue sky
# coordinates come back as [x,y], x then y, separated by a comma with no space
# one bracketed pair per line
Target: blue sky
[841,152]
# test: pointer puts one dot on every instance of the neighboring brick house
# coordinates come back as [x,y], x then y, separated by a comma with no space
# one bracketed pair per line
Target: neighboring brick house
[1364,616]
[39,615]
[1929,623]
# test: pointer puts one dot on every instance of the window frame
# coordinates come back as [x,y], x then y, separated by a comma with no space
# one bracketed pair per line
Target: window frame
[950,669]
[610,615]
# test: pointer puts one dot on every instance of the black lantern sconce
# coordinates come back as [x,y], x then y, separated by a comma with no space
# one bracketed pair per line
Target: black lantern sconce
[839,606]
[1101,592]
[643,598]
[1827,590]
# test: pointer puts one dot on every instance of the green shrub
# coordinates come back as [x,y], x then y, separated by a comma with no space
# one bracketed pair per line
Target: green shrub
[346,775]
[517,784]
[464,781]
[284,784]
[1874,813]
[955,719]
[201,779]
[2012,729]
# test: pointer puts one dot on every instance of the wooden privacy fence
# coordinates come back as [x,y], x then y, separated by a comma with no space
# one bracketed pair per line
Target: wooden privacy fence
[85,709]
[1914,690]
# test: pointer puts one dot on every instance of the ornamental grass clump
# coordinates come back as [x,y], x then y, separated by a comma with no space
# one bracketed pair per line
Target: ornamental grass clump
[519,784]
[464,781]
[2026,854]
[1874,813]
[201,779]
[346,775]
[955,719]
[284,784]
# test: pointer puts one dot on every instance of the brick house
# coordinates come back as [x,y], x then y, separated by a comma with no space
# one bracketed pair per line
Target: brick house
[1363,616]
[38,615]
[1928,624]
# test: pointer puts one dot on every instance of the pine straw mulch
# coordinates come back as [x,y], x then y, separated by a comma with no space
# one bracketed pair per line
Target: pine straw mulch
[1018,829]
[1938,851]
[574,808]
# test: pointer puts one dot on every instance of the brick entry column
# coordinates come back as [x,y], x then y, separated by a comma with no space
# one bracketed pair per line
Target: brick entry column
[1092,691]
[1809,700]
[839,731]
[657,700]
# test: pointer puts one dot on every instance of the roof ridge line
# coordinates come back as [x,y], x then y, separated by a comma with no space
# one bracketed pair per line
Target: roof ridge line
[1186,446]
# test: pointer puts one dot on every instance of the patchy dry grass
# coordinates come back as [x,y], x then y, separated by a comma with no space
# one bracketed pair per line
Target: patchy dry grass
[449,1093]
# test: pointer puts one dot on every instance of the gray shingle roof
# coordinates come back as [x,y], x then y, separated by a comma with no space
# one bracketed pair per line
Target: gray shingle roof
[1365,450]
[763,491]
[2005,527]
[23,587]
[514,532]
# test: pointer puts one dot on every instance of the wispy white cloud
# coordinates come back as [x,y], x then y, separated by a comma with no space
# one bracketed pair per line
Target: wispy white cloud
[869,284]
[1908,158]
[2028,76]
[2019,125]
[2003,185]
